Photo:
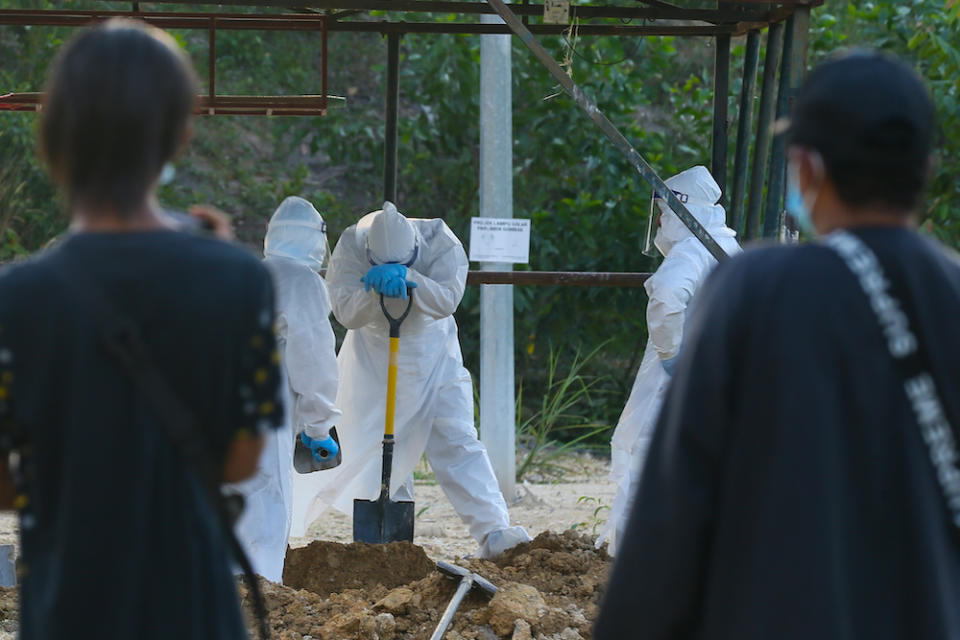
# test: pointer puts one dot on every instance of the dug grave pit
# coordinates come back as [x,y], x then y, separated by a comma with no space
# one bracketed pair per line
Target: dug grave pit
[548,589]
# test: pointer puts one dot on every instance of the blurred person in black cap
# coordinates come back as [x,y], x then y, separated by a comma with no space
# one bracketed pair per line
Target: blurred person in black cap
[808,487]
[138,367]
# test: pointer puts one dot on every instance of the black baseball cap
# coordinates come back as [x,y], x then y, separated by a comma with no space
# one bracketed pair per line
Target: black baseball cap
[871,118]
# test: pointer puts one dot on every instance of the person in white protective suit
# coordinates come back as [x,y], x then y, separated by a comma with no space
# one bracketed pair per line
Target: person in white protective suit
[295,247]
[670,290]
[389,254]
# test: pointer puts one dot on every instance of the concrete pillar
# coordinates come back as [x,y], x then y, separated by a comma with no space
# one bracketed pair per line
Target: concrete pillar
[497,413]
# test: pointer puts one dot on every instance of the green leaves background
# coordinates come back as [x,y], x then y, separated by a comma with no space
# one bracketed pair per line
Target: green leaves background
[588,208]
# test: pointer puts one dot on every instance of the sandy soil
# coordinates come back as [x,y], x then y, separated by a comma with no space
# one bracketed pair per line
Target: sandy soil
[580,499]
[549,588]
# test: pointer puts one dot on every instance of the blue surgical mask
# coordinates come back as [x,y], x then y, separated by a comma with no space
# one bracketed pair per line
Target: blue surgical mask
[797,208]
[167,174]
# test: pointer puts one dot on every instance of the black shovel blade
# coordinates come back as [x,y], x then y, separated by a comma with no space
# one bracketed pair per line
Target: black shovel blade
[382,520]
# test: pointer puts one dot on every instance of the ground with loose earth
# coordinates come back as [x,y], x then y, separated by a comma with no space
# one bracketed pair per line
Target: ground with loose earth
[547,589]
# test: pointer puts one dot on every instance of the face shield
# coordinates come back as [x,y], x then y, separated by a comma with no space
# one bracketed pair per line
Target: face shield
[297,231]
[658,206]
[301,241]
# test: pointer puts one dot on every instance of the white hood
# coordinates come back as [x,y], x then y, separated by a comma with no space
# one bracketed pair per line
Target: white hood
[388,235]
[297,231]
[699,192]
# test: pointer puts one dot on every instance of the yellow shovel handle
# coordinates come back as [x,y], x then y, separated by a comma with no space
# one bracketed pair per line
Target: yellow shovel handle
[391,387]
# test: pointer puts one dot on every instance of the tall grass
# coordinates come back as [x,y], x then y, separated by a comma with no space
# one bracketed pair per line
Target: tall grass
[560,412]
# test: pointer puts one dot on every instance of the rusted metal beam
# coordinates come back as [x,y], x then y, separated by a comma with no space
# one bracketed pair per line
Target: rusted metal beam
[170,20]
[307,105]
[625,279]
[559,278]
[538,29]
[313,22]
[526,9]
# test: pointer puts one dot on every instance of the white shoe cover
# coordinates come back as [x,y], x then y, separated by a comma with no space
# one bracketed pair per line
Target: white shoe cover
[496,542]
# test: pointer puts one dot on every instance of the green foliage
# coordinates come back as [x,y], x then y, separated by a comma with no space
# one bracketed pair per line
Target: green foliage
[30,214]
[934,45]
[596,518]
[588,208]
[925,33]
[558,424]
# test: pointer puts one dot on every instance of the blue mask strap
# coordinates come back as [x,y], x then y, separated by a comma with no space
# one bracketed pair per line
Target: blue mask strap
[408,263]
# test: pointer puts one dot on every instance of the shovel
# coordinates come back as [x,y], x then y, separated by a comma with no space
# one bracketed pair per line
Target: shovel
[384,520]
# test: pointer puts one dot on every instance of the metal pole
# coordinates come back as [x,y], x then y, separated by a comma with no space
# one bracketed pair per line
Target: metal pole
[773,216]
[721,92]
[610,131]
[801,45]
[764,129]
[323,68]
[749,91]
[212,61]
[798,65]
[497,411]
[393,106]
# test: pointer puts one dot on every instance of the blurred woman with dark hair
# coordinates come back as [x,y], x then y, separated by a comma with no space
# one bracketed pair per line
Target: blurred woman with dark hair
[112,518]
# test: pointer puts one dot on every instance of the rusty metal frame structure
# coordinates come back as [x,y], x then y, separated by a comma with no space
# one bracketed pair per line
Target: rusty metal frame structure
[786,22]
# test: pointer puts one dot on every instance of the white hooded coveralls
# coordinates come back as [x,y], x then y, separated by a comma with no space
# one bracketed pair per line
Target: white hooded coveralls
[434,412]
[295,246]
[670,290]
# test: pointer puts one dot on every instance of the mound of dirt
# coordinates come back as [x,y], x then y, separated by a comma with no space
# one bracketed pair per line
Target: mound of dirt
[9,599]
[548,589]
[330,567]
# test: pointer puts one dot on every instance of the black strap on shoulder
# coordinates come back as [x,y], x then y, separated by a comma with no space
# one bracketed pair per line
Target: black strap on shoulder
[898,325]
[120,337]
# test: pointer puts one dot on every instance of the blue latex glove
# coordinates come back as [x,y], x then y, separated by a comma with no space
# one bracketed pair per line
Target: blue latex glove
[380,274]
[397,287]
[322,449]
[670,364]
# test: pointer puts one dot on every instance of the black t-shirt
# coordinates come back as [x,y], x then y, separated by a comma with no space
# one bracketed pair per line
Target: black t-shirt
[117,536]
[788,492]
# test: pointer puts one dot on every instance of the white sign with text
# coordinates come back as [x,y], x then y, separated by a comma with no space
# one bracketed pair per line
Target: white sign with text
[500,240]
[556,11]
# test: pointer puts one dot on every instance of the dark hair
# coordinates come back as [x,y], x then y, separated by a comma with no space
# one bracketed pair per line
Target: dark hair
[872,120]
[116,109]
